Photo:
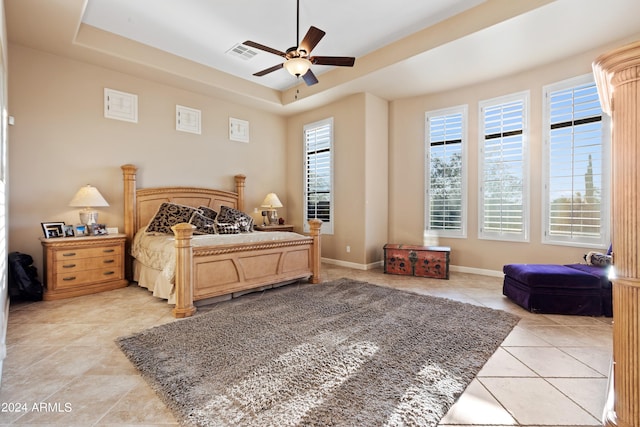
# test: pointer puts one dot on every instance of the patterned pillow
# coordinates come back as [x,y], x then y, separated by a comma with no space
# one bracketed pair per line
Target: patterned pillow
[204,224]
[234,216]
[597,258]
[227,228]
[208,212]
[168,215]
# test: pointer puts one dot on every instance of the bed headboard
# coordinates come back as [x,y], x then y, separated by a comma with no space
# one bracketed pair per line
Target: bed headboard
[140,205]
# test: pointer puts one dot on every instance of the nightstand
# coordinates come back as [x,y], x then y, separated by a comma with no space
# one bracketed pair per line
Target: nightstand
[278,227]
[83,265]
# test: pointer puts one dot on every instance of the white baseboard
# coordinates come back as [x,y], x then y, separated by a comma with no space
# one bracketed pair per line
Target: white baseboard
[380,264]
[479,271]
[353,265]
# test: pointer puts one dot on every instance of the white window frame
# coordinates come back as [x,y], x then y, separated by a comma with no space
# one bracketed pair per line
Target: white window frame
[605,214]
[522,236]
[327,226]
[429,116]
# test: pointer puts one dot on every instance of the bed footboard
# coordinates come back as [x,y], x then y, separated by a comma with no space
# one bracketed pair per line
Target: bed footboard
[206,272]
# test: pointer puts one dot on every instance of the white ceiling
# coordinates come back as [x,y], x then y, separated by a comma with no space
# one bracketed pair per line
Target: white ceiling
[403,48]
[204,30]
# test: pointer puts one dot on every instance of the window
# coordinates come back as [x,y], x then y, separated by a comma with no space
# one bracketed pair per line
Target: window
[318,174]
[503,169]
[576,152]
[445,172]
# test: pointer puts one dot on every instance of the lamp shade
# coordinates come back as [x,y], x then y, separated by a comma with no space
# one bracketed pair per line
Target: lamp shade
[271,201]
[88,196]
[297,66]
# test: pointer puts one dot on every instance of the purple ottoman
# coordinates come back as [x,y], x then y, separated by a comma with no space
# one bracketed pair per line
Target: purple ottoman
[553,289]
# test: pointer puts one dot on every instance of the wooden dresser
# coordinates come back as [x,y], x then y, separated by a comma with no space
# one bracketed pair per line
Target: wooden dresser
[83,265]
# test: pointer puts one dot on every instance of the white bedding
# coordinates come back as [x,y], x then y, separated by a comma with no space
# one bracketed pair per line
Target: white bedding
[155,254]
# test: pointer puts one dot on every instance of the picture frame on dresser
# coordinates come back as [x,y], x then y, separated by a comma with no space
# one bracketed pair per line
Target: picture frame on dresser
[80,230]
[98,229]
[53,229]
[69,231]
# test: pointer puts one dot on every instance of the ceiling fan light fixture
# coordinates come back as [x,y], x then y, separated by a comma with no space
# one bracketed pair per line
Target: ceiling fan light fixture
[297,66]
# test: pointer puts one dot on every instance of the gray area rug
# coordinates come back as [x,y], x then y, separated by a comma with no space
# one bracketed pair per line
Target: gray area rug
[343,353]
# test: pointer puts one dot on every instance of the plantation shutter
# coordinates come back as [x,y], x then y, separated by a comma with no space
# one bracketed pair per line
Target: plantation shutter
[575,168]
[503,214]
[444,181]
[318,174]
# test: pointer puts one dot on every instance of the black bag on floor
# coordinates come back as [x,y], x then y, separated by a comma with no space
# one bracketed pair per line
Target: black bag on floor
[23,278]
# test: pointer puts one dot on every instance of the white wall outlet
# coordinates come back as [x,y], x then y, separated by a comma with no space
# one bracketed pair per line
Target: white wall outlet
[348,249]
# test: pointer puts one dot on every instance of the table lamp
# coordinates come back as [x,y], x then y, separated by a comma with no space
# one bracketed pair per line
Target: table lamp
[271,202]
[88,197]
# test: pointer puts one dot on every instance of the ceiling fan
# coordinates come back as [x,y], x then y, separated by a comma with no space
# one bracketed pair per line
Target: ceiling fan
[298,61]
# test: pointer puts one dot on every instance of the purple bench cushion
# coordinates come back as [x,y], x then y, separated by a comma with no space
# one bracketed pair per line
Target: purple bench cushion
[551,276]
[601,272]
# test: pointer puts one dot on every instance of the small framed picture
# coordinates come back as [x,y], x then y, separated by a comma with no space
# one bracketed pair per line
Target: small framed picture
[98,229]
[53,229]
[80,230]
[68,231]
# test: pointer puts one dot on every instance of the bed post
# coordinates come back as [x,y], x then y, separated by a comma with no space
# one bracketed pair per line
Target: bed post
[184,276]
[315,225]
[129,179]
[240,190]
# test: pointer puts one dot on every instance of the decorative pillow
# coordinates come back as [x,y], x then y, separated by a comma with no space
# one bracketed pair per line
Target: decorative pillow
[204,224]
[208,212]
[227,228]
[597,259]
[168,215]
[231,216]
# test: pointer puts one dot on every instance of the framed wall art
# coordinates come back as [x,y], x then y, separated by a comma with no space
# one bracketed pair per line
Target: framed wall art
[238,130]
[188,119]
[120,105]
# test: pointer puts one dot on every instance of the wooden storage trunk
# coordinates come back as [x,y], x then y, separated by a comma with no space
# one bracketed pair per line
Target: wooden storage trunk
[413,260]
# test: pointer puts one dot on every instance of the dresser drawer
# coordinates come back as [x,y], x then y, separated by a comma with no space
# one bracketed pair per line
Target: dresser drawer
[80,278]
[73,265]
[79,253]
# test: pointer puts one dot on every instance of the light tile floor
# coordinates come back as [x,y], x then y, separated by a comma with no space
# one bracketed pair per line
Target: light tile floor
[63,367]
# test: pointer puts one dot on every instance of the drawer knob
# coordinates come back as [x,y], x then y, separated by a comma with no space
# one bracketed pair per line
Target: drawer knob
[109,261]
[69,254]
[68,265]
[68,279]
[108,251]
[108,273]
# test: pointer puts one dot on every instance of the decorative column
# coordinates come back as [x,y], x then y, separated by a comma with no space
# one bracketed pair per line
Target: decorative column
[184,271]
[617,75]
[130,225]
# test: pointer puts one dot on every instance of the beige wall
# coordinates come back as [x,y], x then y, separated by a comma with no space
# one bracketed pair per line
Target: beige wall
[406,189]
[360,147]
[61,141]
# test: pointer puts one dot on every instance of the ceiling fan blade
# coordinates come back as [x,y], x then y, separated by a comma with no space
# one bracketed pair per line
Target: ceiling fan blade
[268,70]
[311,39]
[265,48]
[340,61]
[309,78]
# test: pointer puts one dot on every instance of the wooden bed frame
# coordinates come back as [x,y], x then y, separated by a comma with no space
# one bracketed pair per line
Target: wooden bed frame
[212,271]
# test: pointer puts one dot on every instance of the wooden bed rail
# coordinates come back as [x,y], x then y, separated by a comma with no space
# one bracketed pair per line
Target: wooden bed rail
[184,275]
